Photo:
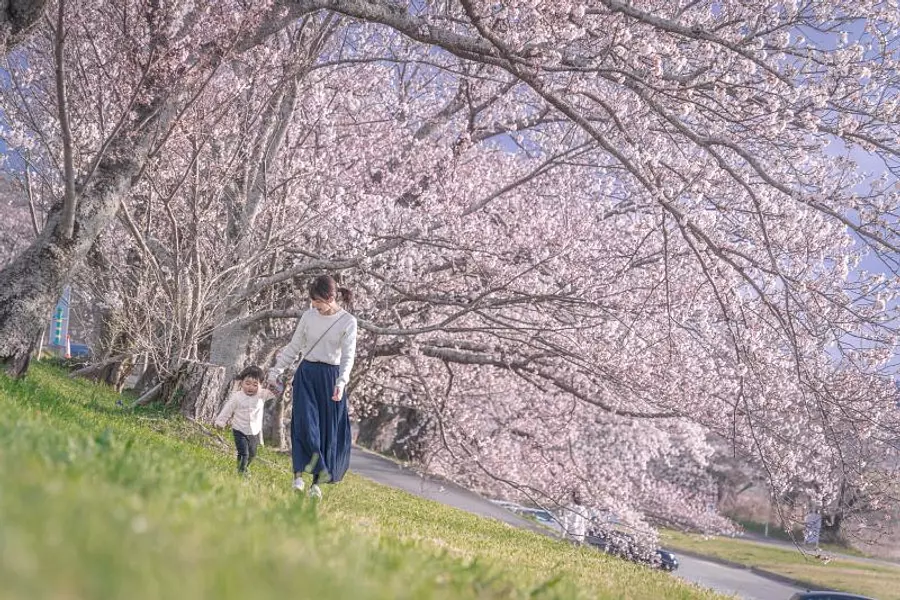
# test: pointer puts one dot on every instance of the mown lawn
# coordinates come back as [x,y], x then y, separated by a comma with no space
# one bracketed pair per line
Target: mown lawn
[97,502]
[876,580]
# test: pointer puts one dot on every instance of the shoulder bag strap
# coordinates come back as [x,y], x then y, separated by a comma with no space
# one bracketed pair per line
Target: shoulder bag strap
[338,320]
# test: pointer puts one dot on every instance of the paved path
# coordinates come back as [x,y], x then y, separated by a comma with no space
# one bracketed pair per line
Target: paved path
[742,582]
[387,472]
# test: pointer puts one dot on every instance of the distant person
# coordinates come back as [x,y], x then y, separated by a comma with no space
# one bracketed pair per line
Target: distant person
[574,523]
[244,408]
[320,425]
[578,520]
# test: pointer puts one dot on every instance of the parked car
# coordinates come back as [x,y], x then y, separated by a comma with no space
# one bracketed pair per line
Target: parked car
[667,560]
[79,350]
[541,516]
[811,595]
[624,545]
[544,517]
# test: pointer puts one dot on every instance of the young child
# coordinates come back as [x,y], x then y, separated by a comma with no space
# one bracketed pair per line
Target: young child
[244,409]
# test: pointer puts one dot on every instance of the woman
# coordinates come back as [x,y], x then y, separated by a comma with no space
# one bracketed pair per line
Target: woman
[320,425]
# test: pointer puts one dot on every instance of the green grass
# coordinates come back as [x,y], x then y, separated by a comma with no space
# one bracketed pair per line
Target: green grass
[778,533]
[97,502]
[879,581]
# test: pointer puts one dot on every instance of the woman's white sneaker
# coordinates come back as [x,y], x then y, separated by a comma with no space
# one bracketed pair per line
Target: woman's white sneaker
[298,484]
[315,492]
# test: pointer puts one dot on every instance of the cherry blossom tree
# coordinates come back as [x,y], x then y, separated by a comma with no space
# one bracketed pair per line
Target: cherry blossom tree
[717,134]
[136,68]
[207,220]
[588,236]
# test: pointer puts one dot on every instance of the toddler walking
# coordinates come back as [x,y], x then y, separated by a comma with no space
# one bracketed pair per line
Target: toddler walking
[244,409]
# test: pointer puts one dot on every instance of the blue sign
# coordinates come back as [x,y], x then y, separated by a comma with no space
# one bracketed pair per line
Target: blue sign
[59,322]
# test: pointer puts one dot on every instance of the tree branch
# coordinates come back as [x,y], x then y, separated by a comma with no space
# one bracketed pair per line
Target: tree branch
[62,106]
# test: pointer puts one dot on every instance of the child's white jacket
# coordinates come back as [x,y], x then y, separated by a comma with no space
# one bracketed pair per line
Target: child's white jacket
[245,412]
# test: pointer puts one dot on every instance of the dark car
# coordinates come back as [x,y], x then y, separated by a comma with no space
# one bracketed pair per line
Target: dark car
[624,545]
[615,543]
[827,596]
[79,350]
[667,560]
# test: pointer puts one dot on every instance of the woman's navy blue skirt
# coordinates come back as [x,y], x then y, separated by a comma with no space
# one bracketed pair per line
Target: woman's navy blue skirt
[320,427]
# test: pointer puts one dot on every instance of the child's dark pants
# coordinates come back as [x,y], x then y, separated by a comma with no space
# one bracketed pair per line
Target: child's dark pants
[246,448]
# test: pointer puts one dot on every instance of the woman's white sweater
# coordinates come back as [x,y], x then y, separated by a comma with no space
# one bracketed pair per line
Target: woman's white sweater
[336,347]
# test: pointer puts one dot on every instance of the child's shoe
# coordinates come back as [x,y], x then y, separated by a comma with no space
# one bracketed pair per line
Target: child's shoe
[298,484]
[315,492]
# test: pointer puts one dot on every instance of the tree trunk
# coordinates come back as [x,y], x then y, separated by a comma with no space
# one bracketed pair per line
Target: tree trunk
[112,371]
[31,284]
[198,390]
[832,531]
[115,349]
[274,423]
[29,288]
[394,430]
[115,373]
[148,378]
[229,346]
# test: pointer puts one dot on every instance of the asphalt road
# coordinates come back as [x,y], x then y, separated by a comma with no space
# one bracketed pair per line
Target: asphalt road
[387,472]
[740,582]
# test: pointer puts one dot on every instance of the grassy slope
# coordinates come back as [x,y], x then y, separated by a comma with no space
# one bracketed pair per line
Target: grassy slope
[879,581]
[99,503]
[779,534]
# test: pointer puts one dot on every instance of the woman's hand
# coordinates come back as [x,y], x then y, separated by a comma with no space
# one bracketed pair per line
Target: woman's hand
[273,382]
[272,377]
[338,393]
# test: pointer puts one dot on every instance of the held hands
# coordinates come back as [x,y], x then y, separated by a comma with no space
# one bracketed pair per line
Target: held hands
[274,383]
